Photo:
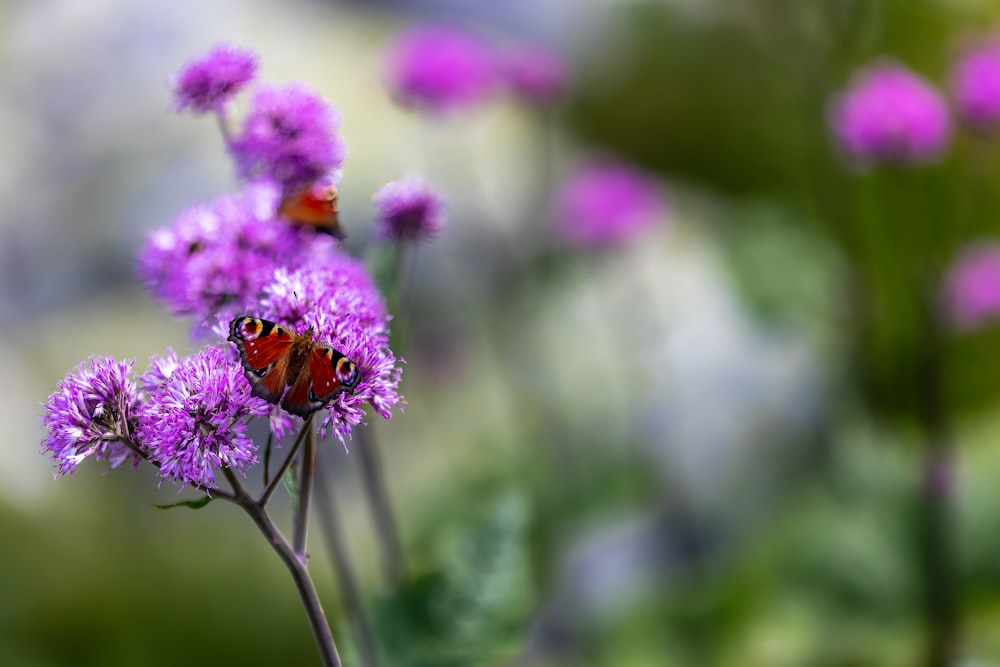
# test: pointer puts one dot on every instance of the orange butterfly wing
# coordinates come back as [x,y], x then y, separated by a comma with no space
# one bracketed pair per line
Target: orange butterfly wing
[315,208]
[326,373]
[264,349]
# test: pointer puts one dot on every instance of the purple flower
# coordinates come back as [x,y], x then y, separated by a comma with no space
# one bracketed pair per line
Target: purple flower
[91,414]
[972,286]
[408,210]
[606,203]
[289,135]
[975,84]
[889,114]
[218,257]
[195,420]
[209,82]
[439,69]
[536,75]
[338,300]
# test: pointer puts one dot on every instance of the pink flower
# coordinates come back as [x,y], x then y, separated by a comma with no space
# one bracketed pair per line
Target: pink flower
[212,80]
[972,286]
[975,85]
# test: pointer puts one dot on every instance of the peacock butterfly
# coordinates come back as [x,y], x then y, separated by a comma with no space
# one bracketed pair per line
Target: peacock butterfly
[314,206]
[289,369]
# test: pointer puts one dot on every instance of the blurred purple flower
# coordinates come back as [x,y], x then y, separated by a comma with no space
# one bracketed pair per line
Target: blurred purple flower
[972,286]
[209,82]
[196,419]
[91,414]
[290,136]
[338,300]
[408,210]
[889,114]
[607,203]
[975,84]
[218,257]
[439,69]
[536,75]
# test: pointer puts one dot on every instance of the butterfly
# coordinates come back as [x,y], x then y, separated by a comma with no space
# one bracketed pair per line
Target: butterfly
[276,359]
[316,207]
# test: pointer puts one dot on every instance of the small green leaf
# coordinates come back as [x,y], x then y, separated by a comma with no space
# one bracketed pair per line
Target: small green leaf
[291,481]
[190,504]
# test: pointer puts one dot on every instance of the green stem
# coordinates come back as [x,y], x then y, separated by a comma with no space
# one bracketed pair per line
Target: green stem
[300,528]
[378,500]
[266,495]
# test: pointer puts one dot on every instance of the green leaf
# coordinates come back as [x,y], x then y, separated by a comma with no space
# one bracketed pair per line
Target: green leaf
[190,504]
[291,481]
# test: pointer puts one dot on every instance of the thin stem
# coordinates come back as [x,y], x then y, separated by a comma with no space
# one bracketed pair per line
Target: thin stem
[378,500]
[214,493]
[349,588]
[264,497]
[220,116]
[307,591]
[300,528]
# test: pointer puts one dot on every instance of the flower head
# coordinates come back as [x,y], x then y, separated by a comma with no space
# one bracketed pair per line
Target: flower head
[408,210]
[91,414]
[889,114]
[195,420]
[337,299]
[536,75]
[209,82]
[606,203]
[439,69]
[975,84]
[218,257]
[289,135]
[972,286]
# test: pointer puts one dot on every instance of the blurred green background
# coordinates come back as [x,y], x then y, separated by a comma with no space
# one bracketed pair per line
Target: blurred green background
[690,451]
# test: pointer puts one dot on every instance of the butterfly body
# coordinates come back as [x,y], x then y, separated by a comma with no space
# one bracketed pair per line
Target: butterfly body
[290,369]
[315,207]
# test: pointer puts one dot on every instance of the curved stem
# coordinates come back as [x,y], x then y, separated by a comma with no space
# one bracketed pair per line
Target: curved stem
[310,600]
[214,493]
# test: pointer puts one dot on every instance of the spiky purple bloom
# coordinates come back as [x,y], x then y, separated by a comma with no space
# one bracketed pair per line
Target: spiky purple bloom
[606,204]
[289,135]
[972,286]
[439,69]
[338,300]
[975,85]
[91,415]
[211,81]
[536,75]
[217,257]
[408,210]
[195,420]
[889,114]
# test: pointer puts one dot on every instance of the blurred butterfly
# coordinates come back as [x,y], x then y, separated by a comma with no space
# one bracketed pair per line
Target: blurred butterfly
[314,206]
[289,369]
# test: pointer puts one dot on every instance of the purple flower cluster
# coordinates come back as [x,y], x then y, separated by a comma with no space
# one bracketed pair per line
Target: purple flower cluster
[217,258]
[408,210]
[208,83]
[607,204]
[975,85]
[972,286]
[289,135]
[194,416]
[337,299]
[440,69]
[889,114]
[91,414]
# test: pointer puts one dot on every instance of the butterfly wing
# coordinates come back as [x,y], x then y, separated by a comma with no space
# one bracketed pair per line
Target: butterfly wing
[264,349]
[326,373]
[315,208]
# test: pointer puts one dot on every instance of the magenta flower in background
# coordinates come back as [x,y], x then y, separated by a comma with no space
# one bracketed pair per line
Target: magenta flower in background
[195,419]
[439,69]
[91,414]
[972,286]
[337,298]
[211,81]
[289,136]
[607,203]
[889,114]
[536,75]
[408,210]
[975,85]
